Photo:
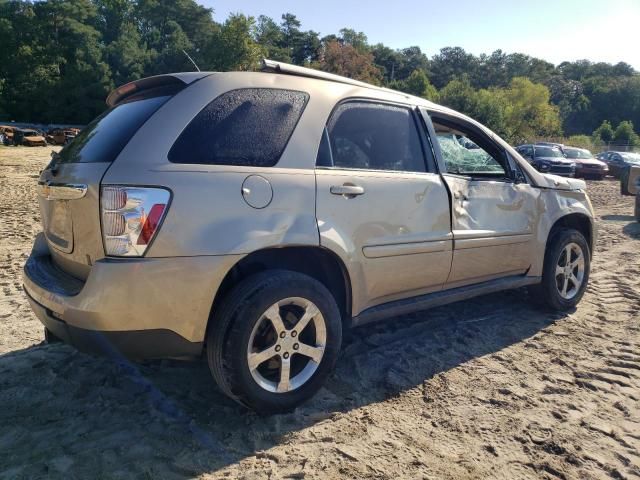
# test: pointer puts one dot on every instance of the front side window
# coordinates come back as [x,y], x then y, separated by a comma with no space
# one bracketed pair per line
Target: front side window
[246,127]
[466,152]
[373,136]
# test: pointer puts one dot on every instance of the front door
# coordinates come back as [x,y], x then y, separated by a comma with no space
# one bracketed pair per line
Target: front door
[493,208]
[380,203]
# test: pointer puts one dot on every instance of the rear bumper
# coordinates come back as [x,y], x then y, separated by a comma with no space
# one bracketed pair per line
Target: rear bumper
[143,308]
[135,344]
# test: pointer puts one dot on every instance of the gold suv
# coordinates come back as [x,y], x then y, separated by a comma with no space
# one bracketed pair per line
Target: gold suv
[251,216]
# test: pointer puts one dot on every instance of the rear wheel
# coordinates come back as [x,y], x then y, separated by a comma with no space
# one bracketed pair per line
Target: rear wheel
[275,340]
[566,271]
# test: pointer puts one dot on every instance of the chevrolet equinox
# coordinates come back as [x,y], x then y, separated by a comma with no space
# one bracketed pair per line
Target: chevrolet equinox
[251,216]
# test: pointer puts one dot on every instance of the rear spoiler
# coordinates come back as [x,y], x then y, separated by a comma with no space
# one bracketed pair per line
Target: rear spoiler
[128,89]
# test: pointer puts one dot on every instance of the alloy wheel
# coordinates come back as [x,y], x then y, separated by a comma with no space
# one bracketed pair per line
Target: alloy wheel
[570,271]
[287,345]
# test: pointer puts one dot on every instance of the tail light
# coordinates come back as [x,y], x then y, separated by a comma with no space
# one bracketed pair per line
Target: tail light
[131,217]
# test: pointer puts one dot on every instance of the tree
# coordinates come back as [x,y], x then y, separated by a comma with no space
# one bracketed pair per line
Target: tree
[459,95]
[268,34]
[357,40]
[388,61]
[417,84]
[486,106]
[345,60]
[528,111]
[234,47]
[604,133]
[68,54]
[625,135]
[450,63]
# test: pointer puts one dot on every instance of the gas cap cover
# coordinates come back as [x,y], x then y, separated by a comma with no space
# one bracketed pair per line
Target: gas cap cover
[257,191]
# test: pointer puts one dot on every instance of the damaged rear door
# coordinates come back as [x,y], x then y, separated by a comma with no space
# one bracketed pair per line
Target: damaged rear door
[493,208]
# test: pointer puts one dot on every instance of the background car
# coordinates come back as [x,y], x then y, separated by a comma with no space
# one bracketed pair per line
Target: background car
[30,138]
[548,159]
[56,136]
[587,165]
[619,161]
[7,133]
[559,146]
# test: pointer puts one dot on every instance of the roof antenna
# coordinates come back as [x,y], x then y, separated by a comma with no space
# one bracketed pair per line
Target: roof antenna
[191,60]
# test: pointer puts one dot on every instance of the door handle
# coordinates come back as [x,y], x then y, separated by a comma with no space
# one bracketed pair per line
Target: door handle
[348,190]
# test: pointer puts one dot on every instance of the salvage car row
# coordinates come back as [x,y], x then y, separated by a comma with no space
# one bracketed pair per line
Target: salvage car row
[30,137]
[567,161]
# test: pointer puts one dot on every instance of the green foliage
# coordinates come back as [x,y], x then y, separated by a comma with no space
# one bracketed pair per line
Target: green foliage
[624,134]
[417,84]
[517,112]
[580,141]
[60,58]
[604,133]
[528,111]
[486,106]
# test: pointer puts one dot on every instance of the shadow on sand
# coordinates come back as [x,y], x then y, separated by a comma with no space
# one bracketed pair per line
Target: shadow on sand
[66,414]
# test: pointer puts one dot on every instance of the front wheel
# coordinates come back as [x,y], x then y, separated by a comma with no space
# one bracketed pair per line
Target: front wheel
[275,340]
[565,274]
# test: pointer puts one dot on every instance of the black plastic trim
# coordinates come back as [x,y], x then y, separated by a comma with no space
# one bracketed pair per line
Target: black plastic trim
[444,297]
[134,344]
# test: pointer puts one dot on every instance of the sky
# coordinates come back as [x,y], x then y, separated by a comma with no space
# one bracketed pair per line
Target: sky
[554,30]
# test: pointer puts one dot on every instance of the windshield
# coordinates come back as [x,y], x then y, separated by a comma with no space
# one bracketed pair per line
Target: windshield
[548,152]
[586,154]
[631,157]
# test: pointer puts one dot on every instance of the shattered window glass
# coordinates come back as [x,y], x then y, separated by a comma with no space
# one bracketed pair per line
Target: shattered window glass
[461,155]
[246,127]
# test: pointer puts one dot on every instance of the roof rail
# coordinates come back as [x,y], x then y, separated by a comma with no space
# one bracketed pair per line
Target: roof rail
[287,68]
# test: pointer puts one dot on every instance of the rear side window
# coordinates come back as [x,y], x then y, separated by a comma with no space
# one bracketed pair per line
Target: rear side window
[105,137]
[246,127]
[372,136]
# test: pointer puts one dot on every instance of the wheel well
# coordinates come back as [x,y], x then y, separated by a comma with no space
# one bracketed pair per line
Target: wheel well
[577,221]
[316,262]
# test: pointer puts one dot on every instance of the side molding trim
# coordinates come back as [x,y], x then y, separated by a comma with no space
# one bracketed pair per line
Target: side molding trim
[443,297]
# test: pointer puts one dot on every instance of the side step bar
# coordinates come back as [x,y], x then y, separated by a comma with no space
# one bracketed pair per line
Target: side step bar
[444,297]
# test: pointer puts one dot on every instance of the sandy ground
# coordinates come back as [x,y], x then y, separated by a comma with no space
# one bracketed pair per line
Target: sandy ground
[484,388]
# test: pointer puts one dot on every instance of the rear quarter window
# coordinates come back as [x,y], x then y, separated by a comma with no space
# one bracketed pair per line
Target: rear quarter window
[245,127]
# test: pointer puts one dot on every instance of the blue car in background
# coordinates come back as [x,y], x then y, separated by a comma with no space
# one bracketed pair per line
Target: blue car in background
[548,159]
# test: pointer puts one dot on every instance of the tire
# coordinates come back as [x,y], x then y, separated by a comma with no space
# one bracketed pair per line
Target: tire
[548,293]
[50,337]
[241,322]
[637,209]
